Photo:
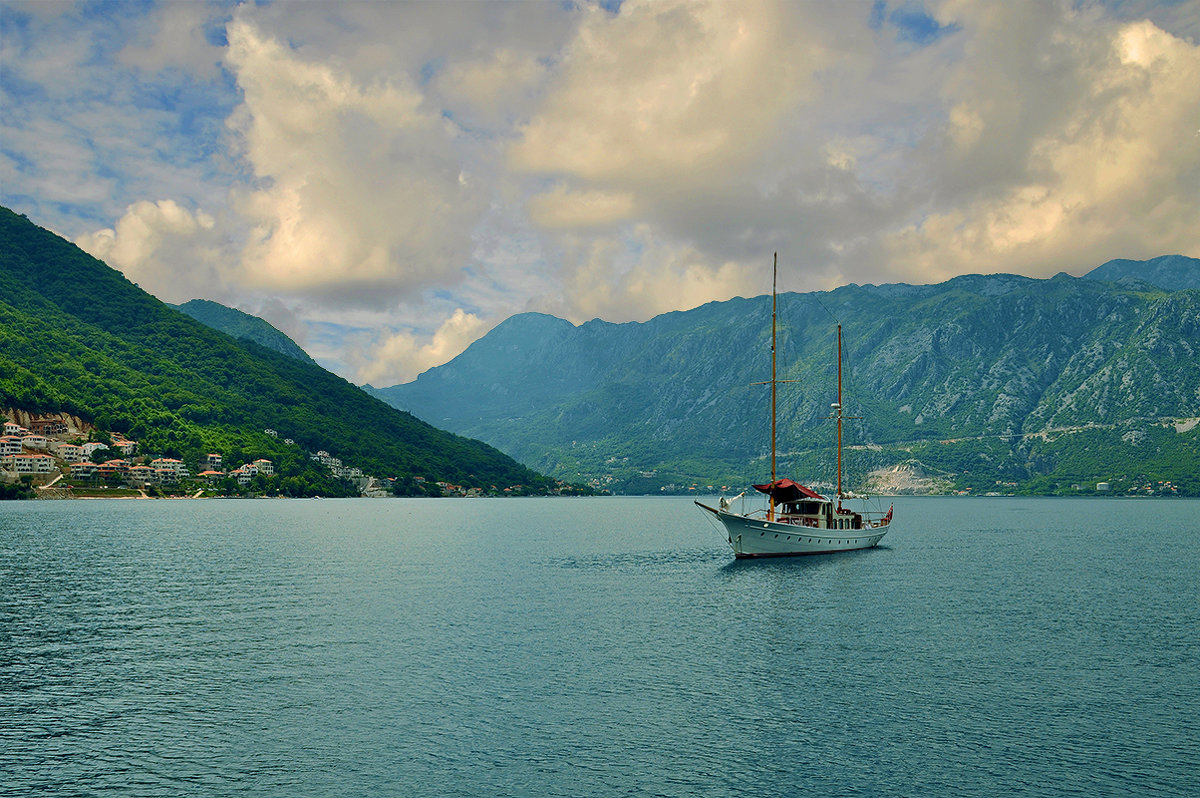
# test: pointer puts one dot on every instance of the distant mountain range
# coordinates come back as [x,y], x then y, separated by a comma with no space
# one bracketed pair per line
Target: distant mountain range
[241,325]
[1172,272]
[76,337]
[993,383]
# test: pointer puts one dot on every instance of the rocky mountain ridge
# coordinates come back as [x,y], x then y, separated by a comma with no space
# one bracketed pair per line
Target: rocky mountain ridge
[979,380]
[1170,272]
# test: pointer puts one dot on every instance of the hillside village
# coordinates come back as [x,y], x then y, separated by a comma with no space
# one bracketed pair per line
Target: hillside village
[60,457]
[52,453]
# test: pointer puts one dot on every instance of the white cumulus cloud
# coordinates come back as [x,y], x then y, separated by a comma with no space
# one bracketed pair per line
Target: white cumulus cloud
[401,356]
[1104,164]
[172,252]
[360,197]
[390,180]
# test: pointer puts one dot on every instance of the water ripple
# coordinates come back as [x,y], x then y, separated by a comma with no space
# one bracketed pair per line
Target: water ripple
[570,647]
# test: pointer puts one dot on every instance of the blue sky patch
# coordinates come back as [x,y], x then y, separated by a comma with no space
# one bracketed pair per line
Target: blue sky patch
[910,21]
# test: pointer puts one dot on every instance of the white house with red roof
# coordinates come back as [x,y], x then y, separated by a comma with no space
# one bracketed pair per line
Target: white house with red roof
[28,463]
[142,474]
[67,451]
[169,468]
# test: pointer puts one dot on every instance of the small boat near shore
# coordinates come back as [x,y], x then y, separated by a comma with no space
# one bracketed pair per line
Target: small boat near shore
[797,520]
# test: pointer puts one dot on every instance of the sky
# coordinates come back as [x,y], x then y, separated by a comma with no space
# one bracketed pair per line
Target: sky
[387,181]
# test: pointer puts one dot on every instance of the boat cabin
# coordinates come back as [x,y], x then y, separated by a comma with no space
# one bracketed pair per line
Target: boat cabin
[802,506]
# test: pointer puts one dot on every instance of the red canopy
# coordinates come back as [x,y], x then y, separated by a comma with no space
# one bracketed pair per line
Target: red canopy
[786,490]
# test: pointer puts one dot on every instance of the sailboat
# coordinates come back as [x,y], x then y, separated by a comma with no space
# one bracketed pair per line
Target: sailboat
[798,520]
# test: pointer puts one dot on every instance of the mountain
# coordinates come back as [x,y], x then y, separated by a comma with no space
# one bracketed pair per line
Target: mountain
[242,325]
[1038,385]
[1170,272]
[76,337]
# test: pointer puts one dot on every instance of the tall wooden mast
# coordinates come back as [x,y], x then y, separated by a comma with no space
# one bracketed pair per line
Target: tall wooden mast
[774,381]
[774,279]
[839,417]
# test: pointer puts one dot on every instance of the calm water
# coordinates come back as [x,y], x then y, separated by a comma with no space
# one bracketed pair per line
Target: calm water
[594,647]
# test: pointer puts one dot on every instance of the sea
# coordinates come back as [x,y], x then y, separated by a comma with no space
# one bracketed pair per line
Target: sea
[594,647]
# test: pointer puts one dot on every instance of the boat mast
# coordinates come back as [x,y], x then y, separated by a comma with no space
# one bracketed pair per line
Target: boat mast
[774,381]
[774,276]
[839,419]
[774,279]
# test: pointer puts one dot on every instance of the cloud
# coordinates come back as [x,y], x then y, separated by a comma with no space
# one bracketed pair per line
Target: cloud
[667,91]
[360,196]
[662,143]
[281,316]
[401,356]
[176,35]
[492,88]
[563,208]
[602,279]
[1102,163]
[388,180]
[85,133]
[172,252]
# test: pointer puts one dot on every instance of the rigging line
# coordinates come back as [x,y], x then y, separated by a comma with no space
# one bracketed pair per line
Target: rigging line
[846,358]
[816,295]
[847,362]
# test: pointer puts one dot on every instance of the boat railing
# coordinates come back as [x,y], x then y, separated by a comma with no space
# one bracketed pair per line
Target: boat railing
[792,520]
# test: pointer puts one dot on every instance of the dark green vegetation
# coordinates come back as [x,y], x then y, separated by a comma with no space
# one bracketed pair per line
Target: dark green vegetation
[241,325]
[77,337]
[982,383]
[15,490]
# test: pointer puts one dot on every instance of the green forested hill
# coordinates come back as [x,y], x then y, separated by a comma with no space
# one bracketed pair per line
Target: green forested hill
[241,325]
[77,337]
[988,383]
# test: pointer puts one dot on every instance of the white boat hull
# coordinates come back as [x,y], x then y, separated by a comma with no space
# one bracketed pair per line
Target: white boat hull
[757,537]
